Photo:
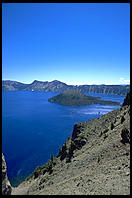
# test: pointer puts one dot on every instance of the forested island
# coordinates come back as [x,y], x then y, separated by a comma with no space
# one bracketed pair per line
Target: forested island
[74,97]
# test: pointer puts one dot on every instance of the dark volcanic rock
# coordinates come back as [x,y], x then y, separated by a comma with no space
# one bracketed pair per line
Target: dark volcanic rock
[127,100]
[6,186]
[76,142]
[125,134]
[77,130]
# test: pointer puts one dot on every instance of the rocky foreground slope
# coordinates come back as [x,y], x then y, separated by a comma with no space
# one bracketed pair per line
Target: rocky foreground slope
[94,161]
[6,186]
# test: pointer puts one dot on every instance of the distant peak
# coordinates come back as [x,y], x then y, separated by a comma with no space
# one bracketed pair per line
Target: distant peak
[37,81]
[55,81]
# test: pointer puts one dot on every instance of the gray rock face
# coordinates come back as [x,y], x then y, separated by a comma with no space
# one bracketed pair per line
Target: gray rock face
[77,130]
[127,100]
[6,186]
[125,134]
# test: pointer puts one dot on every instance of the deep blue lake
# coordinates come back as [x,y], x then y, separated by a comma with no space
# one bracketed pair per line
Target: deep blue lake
[33,128]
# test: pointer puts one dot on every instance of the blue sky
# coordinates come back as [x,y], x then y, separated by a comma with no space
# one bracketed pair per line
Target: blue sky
[86,43]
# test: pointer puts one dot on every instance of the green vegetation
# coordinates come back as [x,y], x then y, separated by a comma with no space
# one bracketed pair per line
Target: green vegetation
[129,111]
[73,97]
[127,99]
[99,158]
[122,119]
[125,134]
[112,126]
[36,173]
[52,160]
[101,134]
[72,146]
[68,138]
[41,170]
[105,136]
[105,130]
[81,135]
[115,121]
[62,152]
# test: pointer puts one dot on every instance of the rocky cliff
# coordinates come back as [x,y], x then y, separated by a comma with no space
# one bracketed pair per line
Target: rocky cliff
[127,99]
[6,186]
[94,161]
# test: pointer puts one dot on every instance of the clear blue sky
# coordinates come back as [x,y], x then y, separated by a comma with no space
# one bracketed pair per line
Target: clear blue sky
[86,43]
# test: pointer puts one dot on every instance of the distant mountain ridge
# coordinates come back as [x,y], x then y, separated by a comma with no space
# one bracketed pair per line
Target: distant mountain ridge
[58,86]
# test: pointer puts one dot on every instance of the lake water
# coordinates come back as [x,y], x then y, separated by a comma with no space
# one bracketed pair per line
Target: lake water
[33,128]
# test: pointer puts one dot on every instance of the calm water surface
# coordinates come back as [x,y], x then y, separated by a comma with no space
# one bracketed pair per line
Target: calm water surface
[33,128]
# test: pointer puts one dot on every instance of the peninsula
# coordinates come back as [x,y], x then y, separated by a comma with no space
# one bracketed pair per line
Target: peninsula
[73,97]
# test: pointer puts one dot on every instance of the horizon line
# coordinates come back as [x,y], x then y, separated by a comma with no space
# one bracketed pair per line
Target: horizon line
[67,82]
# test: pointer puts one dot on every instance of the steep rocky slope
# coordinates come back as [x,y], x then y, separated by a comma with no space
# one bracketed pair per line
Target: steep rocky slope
[6,186]
[127,100]
[94,161]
